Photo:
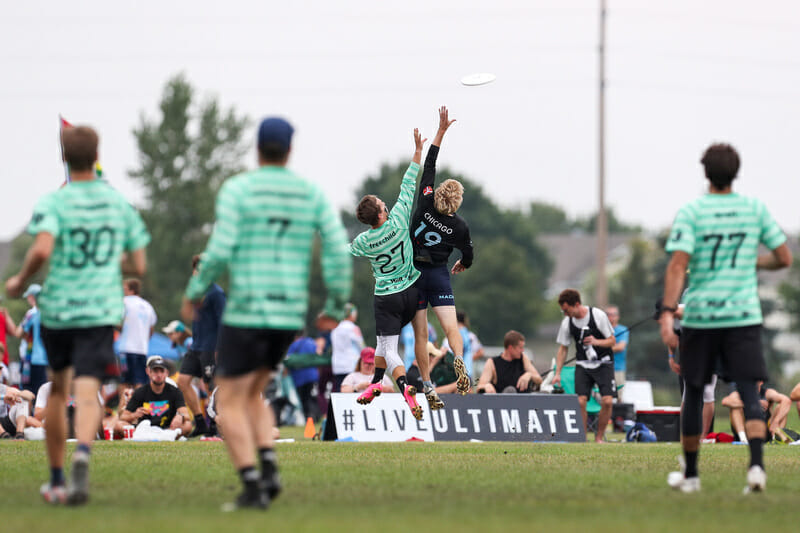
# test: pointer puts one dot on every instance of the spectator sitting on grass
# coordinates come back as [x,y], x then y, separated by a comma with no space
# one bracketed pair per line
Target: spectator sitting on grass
[770,398]
[158,401]
[14,412]
[511,371]
[359,380]
[40,406]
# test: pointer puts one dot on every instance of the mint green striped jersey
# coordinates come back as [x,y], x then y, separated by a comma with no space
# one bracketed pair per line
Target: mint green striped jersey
[92,225]
[388,247]
[266,221]
[721,233]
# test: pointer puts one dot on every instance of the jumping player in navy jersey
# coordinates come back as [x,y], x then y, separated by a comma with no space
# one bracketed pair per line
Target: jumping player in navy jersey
[435,230]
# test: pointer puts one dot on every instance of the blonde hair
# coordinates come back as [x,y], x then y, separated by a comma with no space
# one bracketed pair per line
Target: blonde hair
[448,197]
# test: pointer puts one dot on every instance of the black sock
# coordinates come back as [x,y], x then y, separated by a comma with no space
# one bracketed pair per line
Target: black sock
[402,383]
[200,423]
[691,464]
[249,476]
[56,477]
[756,452]
[84,448]
[268,462]
[379,372]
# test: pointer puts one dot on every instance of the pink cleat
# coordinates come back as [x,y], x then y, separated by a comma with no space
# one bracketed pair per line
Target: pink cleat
[410,395]
[370,393]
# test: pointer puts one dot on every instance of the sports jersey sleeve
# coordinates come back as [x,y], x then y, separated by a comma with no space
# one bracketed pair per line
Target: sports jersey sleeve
[356,247]
[682,237]
[771,234]
[337,265]
[465,246]
[399,217]
[45,217]
[137,236]
[219,250]
[428,172]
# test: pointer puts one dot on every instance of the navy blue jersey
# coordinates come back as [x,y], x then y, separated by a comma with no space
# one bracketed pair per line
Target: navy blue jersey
[435,235]
[205,326]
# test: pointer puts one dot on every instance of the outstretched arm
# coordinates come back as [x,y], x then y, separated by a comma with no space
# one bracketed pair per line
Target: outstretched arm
[444,123]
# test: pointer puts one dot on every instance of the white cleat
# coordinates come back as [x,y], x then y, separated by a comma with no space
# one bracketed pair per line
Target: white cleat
[756,480]
[677,481]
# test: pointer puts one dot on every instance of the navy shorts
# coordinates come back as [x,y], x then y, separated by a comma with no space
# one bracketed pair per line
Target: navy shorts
[433,287]
[135,373]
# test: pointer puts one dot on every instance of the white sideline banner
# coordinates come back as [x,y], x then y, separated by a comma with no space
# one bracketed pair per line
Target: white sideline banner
[490,417]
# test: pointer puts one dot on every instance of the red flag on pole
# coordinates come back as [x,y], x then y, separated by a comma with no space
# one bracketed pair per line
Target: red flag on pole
[61,125]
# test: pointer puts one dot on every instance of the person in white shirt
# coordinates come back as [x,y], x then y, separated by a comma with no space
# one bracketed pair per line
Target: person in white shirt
[137,328]
[591,330]
[346,345]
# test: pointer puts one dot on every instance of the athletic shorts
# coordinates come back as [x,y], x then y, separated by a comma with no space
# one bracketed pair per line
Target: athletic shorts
[244,350]
[393,311]
[602,376]
[134,373]
[199,364]
[89,350]
[736,352]
[433,287]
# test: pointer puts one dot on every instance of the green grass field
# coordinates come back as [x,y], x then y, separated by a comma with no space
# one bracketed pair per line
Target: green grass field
[430,487]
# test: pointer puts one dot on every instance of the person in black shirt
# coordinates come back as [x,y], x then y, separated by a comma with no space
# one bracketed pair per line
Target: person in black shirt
[511,371]
[159,402]
[435,230]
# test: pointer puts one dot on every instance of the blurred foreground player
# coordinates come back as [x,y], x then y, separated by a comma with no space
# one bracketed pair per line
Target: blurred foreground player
[266,220]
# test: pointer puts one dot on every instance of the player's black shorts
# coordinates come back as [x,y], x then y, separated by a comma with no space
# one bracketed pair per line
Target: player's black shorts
[433,287]
[243,350]
[393,311]
[603,376]
[736,352]
[199,364]
[89,350]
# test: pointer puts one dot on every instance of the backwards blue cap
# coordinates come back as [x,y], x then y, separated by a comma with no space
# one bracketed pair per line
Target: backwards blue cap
[275,130]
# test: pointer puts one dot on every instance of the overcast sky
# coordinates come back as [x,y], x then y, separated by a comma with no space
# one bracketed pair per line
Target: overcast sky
[355,77]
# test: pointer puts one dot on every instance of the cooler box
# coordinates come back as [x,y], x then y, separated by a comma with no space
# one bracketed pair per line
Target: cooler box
[665,422]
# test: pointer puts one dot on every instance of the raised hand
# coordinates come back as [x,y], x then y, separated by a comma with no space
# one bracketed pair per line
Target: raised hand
[418,140]
[444,121]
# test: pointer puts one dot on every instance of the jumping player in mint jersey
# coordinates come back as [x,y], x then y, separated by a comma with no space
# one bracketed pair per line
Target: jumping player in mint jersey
[717,237]
[85,229]
[387,245]
[436,229]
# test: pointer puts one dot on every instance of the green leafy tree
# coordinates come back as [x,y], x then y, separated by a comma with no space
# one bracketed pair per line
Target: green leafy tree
[184,156]
[635,290]
[502,290]
[549,218]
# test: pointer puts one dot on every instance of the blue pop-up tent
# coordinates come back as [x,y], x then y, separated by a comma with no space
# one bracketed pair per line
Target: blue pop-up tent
[159,345]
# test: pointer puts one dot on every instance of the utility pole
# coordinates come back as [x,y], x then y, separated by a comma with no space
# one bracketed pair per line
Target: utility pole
[601,289]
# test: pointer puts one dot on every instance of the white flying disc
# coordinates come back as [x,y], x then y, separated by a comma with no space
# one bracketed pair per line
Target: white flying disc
[481,78]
